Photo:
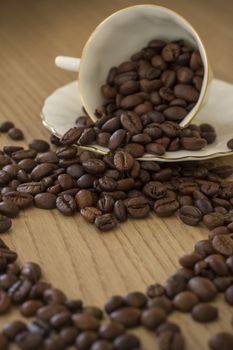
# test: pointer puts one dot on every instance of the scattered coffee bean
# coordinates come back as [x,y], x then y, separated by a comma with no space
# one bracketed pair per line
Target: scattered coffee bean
[221,341]
[204,313]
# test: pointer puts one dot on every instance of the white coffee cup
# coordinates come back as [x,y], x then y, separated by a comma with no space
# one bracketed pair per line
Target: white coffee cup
[118,37]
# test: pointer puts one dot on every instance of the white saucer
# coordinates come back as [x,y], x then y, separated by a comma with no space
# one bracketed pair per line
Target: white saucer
[63,106]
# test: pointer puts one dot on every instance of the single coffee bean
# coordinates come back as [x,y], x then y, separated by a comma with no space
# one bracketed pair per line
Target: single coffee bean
[28,341]
[85,339]
[213,220]
[127,316]
[223,244]
[45,313]
[94,166]
[174,285]
[166,207]
[85,322]
[90,213]
[185,301]
[39,145]
[105,222]
[111,330]
[153,317]
[68,335]
[45,200]
[136,299]
[84,198]
[15,134]
[170,340]
[204,313]
[6,126]
[221,341]
[190,215]
[117,139]
[126,342]
[113,303]
[5,302]
[189,260]
[71,136]
[123,161]
[138,207]
[229,295]
[5,223]
[203,288]
[11,329]
[66,204]
[30,307]
[230,144]
[167,326]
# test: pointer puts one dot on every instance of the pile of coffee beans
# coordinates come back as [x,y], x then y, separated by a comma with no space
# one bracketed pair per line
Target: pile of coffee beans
[145,99]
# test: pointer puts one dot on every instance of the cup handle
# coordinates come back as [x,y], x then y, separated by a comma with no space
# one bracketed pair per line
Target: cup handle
[68,63]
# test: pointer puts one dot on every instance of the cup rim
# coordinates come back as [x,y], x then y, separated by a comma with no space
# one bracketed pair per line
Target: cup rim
[198,104]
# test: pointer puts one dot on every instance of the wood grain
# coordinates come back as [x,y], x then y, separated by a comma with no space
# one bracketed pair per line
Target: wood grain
[73,255]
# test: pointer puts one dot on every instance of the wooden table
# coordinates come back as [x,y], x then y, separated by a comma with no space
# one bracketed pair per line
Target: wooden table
[76,258]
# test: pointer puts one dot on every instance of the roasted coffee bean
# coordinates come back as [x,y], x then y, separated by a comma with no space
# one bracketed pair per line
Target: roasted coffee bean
[153,317]
[185,301]
[30,307]
[20,199]
[167,326]
[54,296]
[5,302]
[138,207]
[6,126]
[170,52]
[113,303]
[189,260]
[66,204]
[45,200]
[193,143]
[19,291]
[111,330]
[204,313]
[162,302]
[4,343]
[46,312]
[123,161]
[90,213]
[230,144]
[116,139]
[131,122]
[39,145]
[221,341]
[71,136]
[223,244]
[42,170]
[190,215]
[85,322]
[127,316]
[68,335]
[84,198]
[15,134]
[94,166]
[204,205]
[5,223]
[174,285]
[155,290]
[31,271]
[136,299]
[229,295]
[54,343]
[169,340]
[166,207]
[11,329]
[203,288]
[105,204]
[105,222]
[213,220]
[85,339]
[126,342]
[28,341]
[155,148]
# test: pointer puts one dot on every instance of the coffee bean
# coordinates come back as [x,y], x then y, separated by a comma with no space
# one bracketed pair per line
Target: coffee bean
[203,288]
[111,330]
[230,144]
[221,341]
[126,342]
[19,291]
[169,340]
[54,343]
[189,260]
[138,207]
[39,145]
[85,339]
[136,299]
[123,161]
[68,335]
[223,244]
[105,222]
[167,326]
[155,148]
[193,143]
[85,322]
[213,220]
[229,295]
[113,303]
[166,207]
[11,329]
[174,285]
[29,308]
[127,316]
[3,342]
[45,313]
[190,215]
[28,341]
[71,136]
[84,198]
[90,213]
[185,301]
[6,126]
[94,166]
[66,204]
[204,313]
[15,134]
[116,139]
[155,290]
[20,199]
[162,302]
[45,200]
[5,223]
[5,302]
[153,317]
